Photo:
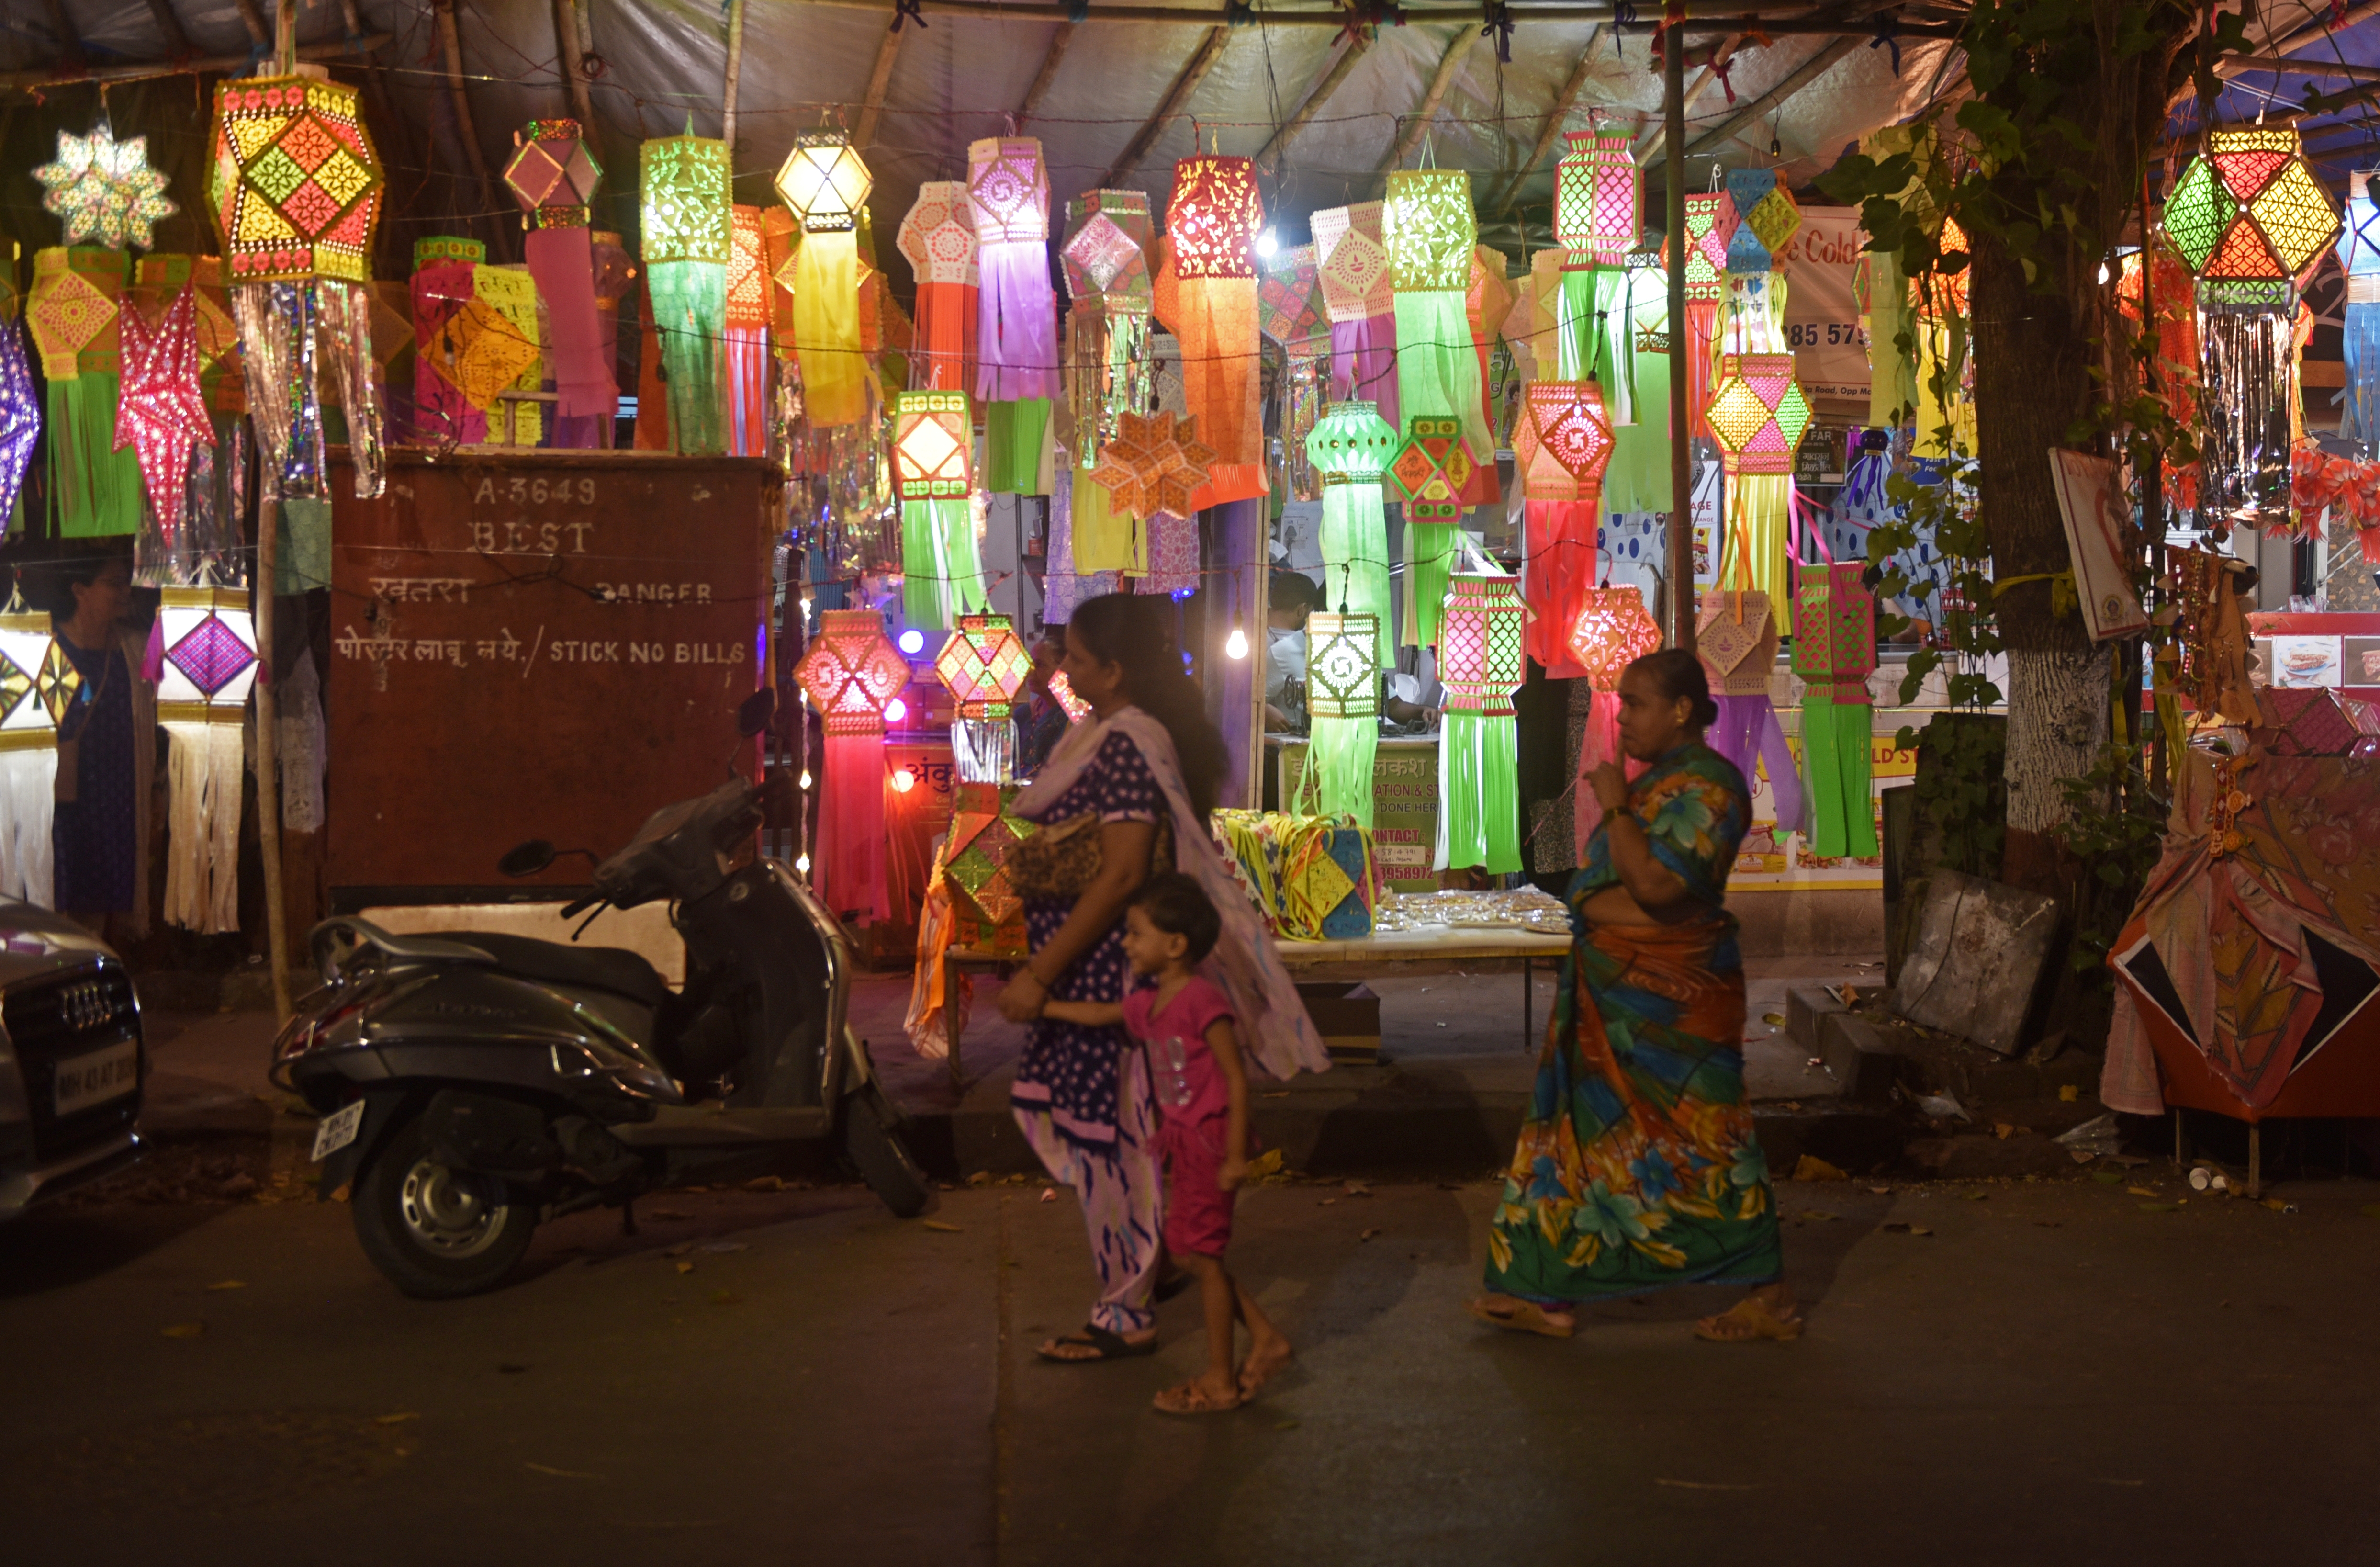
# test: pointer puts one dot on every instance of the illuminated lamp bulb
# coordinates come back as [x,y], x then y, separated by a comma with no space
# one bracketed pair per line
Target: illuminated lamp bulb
[1236,645]
[1267,244]
[895,710]
[903,780]
[913,642]
[805,779]
[2103,274]
[802,864]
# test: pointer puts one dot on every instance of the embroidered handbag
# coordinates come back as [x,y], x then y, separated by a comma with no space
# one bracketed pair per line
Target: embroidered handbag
[1058,863]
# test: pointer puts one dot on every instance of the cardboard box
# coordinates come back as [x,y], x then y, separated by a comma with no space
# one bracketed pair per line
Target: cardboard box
[1347,1016]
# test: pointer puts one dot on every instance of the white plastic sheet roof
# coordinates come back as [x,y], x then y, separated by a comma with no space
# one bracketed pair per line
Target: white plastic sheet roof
[664,61]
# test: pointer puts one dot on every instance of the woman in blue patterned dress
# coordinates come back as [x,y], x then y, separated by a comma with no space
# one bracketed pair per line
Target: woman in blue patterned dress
[99,832]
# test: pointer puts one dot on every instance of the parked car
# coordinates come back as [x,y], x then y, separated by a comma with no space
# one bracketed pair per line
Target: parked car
[71,1059]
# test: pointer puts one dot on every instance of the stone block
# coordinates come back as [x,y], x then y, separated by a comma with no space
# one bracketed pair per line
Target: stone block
[1807,1007]
[1977,960]
[1858,1056]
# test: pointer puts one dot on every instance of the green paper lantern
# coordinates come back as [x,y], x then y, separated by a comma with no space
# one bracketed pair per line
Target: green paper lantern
[685,201]
[1350,447]
[1481,661]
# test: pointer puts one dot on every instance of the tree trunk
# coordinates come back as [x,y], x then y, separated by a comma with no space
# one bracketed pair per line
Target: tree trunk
[2034,354]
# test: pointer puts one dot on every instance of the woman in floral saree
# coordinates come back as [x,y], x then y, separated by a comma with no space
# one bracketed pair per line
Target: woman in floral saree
[1637,1167]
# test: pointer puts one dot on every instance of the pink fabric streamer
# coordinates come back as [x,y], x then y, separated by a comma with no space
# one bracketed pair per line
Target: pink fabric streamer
[1363,364]
[1016,335]
[747,357]
[562,263]
[440,412]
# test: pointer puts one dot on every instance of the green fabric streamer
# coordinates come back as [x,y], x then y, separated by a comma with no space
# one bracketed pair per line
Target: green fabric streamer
[1835,738]
[1430,562]
[1013,434]
[1437,368]
[1342,755]
[1478,770]
[1355,559]
[303,560]
[98,489]
[691,316]
[942,571]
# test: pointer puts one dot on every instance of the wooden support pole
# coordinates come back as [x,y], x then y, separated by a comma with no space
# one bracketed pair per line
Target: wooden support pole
[1679,567]
[1059,42]
[252,19]
[169,27]
[1415,126]
[880,79]
[1720,60]
[1269,157]
[735,74]
[573,56]
[70,56]
[1793,81]
[1210,49]
[263,602]
[450,41]
[2308,67]
[1551,130]
[29,81]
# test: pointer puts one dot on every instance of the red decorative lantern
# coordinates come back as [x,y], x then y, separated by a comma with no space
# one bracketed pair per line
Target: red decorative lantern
[851,674]
[1562,443]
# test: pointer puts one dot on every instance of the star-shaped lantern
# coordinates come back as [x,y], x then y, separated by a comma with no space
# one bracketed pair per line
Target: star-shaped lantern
[20,416]
[1153,464]
[1562,441]
[1434,470]
[1758,413]
[105,189]
[552,175]
[850,672]
[984,663]
[161,409]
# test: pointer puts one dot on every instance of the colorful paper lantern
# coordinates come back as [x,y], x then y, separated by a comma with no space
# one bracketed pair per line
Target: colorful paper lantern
[1561,446]
[1481,662]
[1608,629]
[1155,465]
[553,173]
[37,681]
[686,209]
[441,287]
[850,672]
[937,235]
[825,184]
[1767,220]
[73,311]
[1352,262]
[162,412]
[106,190]
[984,664]
[1342,703]
[2250,210]
[2359,257]
[208,639]
[1430,233]
[1711,222]
[297,185]
[1758,414]
[1436,471]
[1017,334]
[1351,448]
[1211,224]
[1834,651]
[1736,636]
[553,176]
[20,418]
[1289,302]
[933,477]
[1598,198]
[1110,370]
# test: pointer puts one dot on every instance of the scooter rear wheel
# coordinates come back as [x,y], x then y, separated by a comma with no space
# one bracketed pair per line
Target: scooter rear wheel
[437,1233]
[872,1136]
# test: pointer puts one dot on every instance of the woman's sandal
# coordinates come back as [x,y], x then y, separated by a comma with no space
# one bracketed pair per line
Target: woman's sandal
[1110,1346]
[1758,1320]
[1520,1316]
[1192,1398]
[1253,1377]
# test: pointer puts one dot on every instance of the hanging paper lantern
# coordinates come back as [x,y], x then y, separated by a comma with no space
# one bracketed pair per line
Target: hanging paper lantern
[1834,651]
[744,348]
[984,664]
[1598,198]
[106,190]
[1610,630]
[1436,471]
[209,640]
[488,347]
[826,185]
[850,672]
[1289,300]
[1360,299]
[297,185]
[1109,371]
[20,417]
[443,266]
[1016,335]
[933,477]
[74,313]
[1758,415]
[553,175]
[1211,224]
[163,413]
[1430,233]
[1155,465]
[1481,664]
[1767,219]
[687,214]
[1736,636]
[1343,701]
[1561,445]
[37,681]
[938,238]
[1351,448]
[1711,222]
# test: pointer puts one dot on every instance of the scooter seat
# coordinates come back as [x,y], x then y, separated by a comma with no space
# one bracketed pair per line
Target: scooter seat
[615,969]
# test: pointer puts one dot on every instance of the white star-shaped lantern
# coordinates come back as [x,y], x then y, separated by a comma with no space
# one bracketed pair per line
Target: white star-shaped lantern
[106,189]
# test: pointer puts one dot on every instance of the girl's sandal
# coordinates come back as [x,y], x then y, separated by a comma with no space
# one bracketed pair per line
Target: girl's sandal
[1103,1344]
[1754,1320]
[1520,1316]
[1192,1398]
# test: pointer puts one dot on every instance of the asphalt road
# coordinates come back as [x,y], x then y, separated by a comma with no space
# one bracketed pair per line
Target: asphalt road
[2052,1374]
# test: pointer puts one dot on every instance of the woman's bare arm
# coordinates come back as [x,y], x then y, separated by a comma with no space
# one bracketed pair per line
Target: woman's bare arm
[1658,891]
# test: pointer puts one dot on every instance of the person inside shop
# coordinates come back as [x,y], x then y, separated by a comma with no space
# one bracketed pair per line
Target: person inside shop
[1041,717]
[107,750]
[1414,698]
[1639,1167]
[1289,597]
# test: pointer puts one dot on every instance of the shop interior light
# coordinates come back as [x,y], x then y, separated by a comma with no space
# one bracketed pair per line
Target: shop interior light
[1236,645]
[913,642]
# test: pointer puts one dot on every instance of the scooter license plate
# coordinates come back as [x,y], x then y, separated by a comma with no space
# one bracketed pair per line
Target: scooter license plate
[338,1129]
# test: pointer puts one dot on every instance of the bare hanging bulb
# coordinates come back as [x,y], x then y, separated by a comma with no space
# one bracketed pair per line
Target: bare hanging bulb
[1236,645]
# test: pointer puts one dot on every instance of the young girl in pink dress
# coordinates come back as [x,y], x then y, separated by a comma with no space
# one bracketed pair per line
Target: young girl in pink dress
[1186,1024]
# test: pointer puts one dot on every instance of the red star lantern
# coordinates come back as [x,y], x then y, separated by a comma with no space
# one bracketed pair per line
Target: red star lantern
[1435,470]
[159,409]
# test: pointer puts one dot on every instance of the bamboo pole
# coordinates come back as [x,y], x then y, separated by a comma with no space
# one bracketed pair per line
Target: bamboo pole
[1551,130]
[1210,49]
[573,73]
[451,43]
[879,81]
[735,74]
[1044,78]
[1416,125]
[1269,157]
[1793,81]
[1681,562]
[26,82]
[268,756]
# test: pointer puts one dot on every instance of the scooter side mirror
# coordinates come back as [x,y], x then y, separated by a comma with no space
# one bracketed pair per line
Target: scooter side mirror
[526,860]
[756,712]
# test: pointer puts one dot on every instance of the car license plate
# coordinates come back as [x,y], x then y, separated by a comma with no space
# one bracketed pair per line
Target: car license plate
[83,1081]
[338,1129]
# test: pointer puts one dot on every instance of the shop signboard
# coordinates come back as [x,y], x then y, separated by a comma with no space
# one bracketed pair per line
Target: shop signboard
[1404,807]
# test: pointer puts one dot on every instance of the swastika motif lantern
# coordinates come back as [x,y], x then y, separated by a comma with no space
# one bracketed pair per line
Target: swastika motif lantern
[1342,700]
[1561,445]
[1016,333]
[984,663]
[851,673]
[1481,662]
[1358,296]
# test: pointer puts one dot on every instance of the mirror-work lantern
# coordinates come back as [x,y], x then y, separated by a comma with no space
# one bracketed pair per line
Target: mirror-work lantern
[1437,473]
[851,673]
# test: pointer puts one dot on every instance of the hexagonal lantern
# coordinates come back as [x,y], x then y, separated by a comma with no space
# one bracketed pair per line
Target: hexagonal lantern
[1562,441]
[552,175]
[1758,413]
[824,181]
[851,671]
[2250,210]
[1434,470]
[933,446]
[984,663]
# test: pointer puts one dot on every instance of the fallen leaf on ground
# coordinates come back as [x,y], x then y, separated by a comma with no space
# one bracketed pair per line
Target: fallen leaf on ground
[1049,1193]
[1881,1191]
[1774,1019]
[2002,1130]
[2111,1177]
[399,1418]
[227,1284]
[564,1474]
[2140,1191]
[1978,1196]
[1369,1234]
[2067,1093]
[2277,1205]
[1358,1189]
[1812,1167]
[938,1224]
[1819,1213]
[1264,1164]
[685,1267]
[185,1329]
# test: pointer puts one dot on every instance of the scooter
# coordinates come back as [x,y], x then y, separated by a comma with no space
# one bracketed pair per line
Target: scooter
[472,1084]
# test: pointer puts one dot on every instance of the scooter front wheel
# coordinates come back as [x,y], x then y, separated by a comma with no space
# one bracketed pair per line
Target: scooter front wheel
[437,1233]
[872,1136]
